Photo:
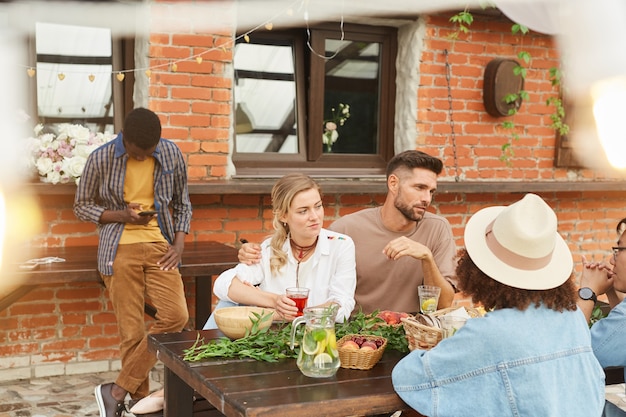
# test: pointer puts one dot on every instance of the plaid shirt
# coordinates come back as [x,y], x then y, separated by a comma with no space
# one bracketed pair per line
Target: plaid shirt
[101,188]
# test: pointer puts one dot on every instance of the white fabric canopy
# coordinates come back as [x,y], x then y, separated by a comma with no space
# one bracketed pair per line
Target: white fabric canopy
[540,16]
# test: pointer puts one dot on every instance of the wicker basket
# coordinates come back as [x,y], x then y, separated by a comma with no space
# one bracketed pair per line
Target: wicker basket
[422,336]
[360,359]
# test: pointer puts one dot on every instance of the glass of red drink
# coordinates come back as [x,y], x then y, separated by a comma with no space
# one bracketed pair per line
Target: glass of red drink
[300,296]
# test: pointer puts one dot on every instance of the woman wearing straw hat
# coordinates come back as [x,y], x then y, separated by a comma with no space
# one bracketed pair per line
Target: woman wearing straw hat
[531,353]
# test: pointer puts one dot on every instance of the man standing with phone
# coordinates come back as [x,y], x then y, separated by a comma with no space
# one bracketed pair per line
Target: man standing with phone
[127,188]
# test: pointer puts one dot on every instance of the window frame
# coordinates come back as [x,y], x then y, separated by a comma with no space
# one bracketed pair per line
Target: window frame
[122,57]
[309,98]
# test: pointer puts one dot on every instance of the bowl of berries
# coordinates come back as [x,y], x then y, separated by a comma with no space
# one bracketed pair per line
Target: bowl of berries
[360,351]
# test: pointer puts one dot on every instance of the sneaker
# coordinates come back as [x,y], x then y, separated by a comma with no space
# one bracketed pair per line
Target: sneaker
[108,406]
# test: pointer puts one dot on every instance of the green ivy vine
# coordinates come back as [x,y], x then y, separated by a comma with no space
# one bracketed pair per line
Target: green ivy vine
[463,21]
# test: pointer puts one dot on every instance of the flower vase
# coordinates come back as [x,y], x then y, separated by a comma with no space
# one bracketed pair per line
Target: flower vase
[328,148]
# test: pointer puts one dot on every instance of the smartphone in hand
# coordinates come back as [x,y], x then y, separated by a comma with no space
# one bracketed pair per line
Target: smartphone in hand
[147,213]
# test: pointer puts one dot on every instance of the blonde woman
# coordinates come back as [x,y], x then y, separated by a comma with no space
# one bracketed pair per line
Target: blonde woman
[300,253]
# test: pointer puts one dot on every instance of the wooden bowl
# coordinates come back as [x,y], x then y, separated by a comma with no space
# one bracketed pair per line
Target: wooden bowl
[234,321]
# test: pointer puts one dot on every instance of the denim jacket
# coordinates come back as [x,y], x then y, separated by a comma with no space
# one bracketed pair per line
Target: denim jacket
[535,363]
[608,338]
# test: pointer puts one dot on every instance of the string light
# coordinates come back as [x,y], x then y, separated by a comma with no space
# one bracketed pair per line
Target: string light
[173,65]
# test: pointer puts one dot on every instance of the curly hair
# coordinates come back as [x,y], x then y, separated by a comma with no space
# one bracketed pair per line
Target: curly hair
[495,295]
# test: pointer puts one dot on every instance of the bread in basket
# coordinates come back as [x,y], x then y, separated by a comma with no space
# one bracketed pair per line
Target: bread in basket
[353,358]
[424,332]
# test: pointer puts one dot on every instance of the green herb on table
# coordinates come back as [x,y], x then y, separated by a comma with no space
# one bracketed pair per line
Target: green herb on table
[269,345]
[272,344]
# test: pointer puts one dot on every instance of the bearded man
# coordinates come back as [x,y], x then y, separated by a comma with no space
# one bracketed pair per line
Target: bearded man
[400,245]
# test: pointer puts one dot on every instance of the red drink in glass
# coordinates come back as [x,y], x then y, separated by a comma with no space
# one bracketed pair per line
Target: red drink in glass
[300,296]
[300,303]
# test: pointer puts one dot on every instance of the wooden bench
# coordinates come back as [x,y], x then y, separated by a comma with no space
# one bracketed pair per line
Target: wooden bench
[201,261]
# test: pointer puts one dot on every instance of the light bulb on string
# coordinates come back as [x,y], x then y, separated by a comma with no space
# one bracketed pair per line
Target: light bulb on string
[120,76]
[268,26]
[92,77]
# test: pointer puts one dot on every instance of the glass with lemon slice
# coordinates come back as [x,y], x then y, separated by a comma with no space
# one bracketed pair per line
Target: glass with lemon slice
[318,357]
[428,298]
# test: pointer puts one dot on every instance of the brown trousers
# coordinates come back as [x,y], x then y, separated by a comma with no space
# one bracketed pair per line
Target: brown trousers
[137,277]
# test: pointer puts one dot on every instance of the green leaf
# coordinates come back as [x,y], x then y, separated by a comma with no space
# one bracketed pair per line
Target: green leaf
[596,315]
[523,94]
[510,98]
[524,56]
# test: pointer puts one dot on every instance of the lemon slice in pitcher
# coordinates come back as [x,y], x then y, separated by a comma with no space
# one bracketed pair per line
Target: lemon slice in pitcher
[322,359]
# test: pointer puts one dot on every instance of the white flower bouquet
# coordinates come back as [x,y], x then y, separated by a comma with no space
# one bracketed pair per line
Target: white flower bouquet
[61,158]
[338,118]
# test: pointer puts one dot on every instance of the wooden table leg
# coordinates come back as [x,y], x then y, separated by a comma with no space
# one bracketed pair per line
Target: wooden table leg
[204,295]
[178,396]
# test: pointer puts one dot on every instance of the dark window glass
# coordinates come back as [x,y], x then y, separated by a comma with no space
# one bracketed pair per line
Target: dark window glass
[317,101]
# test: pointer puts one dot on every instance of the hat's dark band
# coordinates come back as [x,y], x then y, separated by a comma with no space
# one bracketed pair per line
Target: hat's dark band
[511,258]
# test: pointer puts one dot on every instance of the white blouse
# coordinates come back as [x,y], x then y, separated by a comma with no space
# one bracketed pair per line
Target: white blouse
[330,273]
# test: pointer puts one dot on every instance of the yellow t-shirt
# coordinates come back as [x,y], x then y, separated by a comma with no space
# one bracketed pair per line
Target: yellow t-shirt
[139,188]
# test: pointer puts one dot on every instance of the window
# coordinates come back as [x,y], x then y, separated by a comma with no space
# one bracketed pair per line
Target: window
[75,76]
[285,90]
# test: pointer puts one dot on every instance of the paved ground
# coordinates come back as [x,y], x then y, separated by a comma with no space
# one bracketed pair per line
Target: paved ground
[58,396]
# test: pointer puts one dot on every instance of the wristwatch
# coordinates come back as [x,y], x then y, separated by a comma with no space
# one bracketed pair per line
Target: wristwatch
[586,293]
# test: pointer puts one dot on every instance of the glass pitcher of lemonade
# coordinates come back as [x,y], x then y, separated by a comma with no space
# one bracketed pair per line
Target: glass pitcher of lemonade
[318,357]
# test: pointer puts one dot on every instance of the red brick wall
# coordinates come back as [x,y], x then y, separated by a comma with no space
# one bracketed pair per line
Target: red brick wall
[74,324]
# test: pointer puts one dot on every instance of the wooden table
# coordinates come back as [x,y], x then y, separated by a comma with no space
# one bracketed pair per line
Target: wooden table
[201,260]
[240,387]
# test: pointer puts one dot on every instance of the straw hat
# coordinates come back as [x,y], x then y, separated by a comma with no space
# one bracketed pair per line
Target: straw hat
[518,245]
